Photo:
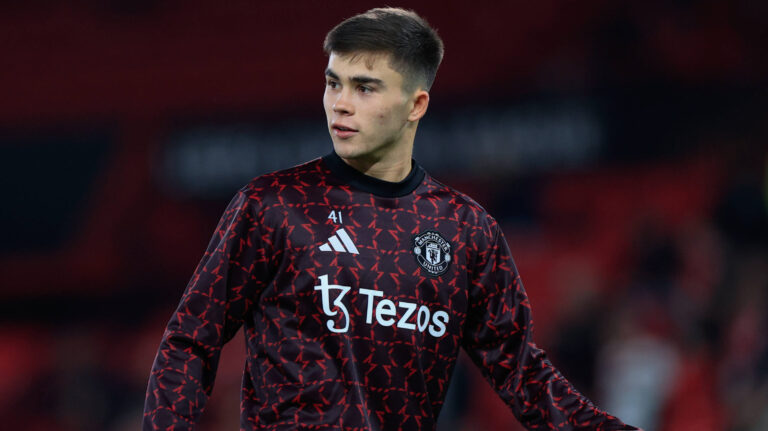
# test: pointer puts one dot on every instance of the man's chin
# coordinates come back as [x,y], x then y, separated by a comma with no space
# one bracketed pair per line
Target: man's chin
[347,150]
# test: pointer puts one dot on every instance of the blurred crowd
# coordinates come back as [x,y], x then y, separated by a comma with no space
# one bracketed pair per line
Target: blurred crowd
[670,335]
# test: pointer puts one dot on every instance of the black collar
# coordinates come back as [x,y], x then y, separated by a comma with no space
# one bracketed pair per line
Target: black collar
[371,184]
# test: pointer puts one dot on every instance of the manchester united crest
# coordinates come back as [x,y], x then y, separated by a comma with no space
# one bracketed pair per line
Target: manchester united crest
[433,252]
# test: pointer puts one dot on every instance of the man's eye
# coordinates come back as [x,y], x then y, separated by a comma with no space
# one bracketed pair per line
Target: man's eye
[332,84]
[365,89]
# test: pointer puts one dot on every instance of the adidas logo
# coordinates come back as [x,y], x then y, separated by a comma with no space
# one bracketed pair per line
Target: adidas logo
[338,241]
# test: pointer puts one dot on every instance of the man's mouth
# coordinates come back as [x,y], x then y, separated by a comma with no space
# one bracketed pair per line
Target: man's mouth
[343,131]
[343,128]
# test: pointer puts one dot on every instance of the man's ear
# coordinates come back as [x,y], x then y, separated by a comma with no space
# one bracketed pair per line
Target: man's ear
[420,103]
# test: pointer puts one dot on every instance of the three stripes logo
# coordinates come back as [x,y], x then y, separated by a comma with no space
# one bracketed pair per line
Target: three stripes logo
[340,242]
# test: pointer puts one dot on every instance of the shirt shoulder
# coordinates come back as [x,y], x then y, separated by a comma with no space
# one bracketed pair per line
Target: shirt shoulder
[464,205]
[269,187]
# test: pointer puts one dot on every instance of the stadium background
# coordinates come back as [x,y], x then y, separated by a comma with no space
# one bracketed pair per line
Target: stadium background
[622,145]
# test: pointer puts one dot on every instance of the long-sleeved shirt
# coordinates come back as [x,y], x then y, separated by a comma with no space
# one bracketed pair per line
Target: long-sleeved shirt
[356,296]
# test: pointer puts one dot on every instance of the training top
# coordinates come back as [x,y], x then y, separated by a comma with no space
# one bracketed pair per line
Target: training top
[356,295]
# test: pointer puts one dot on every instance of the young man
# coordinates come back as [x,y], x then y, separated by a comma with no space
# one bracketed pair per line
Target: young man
[358,277]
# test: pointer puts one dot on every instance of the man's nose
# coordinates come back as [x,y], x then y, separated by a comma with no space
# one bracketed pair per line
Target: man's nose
[343,104]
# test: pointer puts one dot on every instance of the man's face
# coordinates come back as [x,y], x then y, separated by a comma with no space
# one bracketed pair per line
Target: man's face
[366,106]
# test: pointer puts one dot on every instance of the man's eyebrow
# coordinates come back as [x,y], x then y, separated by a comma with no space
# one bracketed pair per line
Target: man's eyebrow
[360,79]
[331,73]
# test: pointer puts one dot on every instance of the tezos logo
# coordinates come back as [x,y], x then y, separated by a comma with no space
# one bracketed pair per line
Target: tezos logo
[433,252]
[402,314]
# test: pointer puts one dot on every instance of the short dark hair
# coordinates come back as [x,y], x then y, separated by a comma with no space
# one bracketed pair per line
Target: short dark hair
[415,48]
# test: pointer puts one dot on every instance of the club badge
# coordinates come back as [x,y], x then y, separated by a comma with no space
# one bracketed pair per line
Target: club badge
[432,252]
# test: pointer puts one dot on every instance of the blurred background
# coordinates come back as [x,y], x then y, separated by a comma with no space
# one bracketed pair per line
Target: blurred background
[621,145]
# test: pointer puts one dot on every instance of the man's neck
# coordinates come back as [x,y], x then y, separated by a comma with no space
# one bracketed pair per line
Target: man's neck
[386,170]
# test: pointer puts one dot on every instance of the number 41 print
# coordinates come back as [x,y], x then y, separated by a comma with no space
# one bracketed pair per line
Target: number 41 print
[335,216]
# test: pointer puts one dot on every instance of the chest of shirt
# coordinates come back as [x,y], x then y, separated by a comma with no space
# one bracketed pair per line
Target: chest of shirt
[398,263]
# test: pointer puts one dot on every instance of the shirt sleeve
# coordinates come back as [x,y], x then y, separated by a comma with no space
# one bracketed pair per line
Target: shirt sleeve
[499,340]
[215,302]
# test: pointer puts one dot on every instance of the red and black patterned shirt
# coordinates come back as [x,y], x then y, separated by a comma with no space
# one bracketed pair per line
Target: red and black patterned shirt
[356,295]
